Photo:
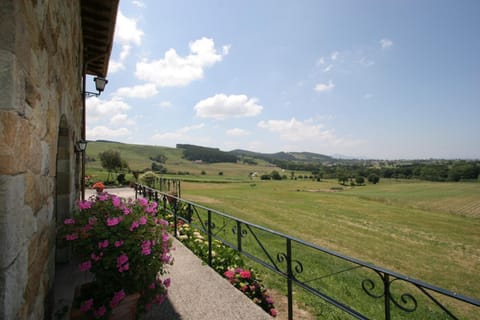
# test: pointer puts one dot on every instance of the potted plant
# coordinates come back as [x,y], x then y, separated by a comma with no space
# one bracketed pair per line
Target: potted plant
[125,246]
[99,186]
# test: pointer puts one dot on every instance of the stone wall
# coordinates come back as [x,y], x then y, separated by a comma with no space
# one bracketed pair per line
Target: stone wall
[40,81]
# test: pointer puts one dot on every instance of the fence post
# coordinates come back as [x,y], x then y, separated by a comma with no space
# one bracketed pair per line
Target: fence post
[164,200]
[386,287]
[239,236]
[209,228]
[289,279]
[175,218]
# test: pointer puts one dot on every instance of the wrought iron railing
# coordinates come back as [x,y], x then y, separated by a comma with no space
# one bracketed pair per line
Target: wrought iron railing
[359,289]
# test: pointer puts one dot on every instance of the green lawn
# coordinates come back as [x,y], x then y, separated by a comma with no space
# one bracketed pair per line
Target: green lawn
[396,225]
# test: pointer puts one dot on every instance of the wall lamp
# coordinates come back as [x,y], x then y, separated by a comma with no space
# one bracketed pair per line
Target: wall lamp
[99,85]
[81,145]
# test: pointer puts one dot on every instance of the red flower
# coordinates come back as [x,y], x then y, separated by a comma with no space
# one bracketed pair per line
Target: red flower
[98,186]
[245,274]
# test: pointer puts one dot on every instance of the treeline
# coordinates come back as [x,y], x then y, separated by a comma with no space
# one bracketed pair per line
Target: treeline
[204,154]
[430,170]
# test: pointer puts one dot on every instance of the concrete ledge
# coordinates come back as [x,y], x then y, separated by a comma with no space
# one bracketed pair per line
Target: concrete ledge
[198,292]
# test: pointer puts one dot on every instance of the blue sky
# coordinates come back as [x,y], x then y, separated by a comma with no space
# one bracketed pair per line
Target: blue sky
[376,79]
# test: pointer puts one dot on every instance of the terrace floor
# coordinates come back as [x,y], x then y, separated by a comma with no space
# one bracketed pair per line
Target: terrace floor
[196,291]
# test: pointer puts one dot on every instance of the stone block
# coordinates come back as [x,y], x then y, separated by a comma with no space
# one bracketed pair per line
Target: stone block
[7,80]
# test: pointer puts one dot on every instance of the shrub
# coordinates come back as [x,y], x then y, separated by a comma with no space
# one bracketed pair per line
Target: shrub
[124,245]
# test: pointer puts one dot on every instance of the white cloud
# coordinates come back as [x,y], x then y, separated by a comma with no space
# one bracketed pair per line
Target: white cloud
[177,135]
[297,131]
[98,109]
[126,30]
[103,132]
[237,132]
[165,104]
[386,43]
[328,68]
[121,119]
[334,55]
[141,91]
[226,49]
[324,87]
[115,66]
[139,4]
[221,106]
[320,61]
[174,70]
[190,128]
[126,33]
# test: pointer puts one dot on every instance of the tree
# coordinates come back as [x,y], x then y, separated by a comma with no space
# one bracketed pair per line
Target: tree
[276,175]
[342,178]
[112,162]
[373,178]
[359,180]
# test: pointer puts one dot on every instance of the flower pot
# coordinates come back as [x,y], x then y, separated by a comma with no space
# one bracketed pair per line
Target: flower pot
[125,310]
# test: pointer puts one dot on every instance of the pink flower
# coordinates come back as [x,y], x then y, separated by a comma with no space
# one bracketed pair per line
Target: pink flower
[99,312]
[71,237]
[273,312]
[159,298]
[122,263]
[163,222]
[152,285]
[167,282]
[119,243]
[84,204]
[165,258]
[96,258]
[134,225]
[86,305]
[126,211]
[117,297]
[69,221]
[143,202]
[142,221]
[87,227]
[92,220]
[245,274]
[84,266]
[103,244]
[112,221]
[229,274]
[146,247]
[103,197]
[116,201]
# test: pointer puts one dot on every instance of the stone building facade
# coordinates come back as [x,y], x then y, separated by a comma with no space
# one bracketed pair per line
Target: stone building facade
[44,48]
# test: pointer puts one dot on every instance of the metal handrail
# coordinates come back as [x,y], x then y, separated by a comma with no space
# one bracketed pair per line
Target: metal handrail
[408,303]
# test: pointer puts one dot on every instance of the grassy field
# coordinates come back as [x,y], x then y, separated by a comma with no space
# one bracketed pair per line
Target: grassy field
[138,158]
[428,231]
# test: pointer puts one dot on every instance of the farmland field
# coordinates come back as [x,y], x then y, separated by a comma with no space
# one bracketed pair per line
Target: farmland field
[428,231]
[424,230]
